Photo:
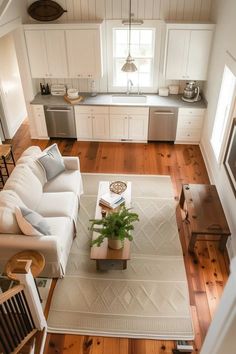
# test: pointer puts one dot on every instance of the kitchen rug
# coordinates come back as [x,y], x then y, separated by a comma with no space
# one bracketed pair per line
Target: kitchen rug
[150,298]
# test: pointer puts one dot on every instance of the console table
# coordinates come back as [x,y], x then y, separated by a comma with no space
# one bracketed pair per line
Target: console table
[204,213]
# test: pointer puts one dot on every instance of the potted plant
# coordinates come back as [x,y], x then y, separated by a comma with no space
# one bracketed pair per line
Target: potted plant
[115,226]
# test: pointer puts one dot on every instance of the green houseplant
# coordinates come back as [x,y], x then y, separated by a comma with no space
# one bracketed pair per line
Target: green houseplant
[115,226]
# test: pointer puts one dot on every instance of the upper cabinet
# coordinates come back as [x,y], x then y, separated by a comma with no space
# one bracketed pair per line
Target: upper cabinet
[187,51]
[84,53]
[47,53]
[64,50]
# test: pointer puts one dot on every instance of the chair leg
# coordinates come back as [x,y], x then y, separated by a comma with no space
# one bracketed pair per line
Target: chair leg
[13,160]
[5,164]
[1,177]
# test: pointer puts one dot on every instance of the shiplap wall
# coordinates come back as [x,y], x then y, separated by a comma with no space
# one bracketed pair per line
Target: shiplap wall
[188,10]
[145,9]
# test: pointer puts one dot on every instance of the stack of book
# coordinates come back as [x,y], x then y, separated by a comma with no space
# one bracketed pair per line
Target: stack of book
[111,200]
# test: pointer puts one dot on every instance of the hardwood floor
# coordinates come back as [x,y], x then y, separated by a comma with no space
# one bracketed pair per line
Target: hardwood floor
[207,270]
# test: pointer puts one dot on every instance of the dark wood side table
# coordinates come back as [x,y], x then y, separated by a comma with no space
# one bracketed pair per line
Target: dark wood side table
[203,210]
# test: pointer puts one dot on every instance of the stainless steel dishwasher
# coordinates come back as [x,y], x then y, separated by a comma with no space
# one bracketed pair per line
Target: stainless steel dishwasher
[60,121]
[162,123]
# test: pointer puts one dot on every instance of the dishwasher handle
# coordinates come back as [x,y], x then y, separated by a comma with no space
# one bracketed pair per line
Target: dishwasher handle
[164,113]
[58,110]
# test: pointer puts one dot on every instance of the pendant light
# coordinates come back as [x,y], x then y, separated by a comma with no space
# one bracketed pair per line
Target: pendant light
[129,65]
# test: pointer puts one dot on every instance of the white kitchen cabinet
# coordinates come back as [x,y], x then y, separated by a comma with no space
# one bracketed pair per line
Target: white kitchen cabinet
[189,127]
[187,51]
[92,122]
[129,123]
[38,123]
[47,53]
[84,53]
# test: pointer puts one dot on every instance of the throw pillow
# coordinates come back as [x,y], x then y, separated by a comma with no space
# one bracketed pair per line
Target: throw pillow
[31,223]
[52,162]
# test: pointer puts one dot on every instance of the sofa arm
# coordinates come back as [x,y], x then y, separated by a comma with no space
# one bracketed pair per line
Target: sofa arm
[48,245]
[71,163]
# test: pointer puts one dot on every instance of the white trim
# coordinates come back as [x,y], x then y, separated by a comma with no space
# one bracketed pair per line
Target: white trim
[158,26]
[10,26]
[4,6]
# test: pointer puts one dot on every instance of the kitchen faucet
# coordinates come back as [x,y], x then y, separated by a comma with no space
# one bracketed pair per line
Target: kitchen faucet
[129,86]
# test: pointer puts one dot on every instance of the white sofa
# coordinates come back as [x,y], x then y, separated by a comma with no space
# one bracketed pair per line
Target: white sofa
[56,200]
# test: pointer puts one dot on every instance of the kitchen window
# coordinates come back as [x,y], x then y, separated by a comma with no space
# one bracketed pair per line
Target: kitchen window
[145,49]
[223,112]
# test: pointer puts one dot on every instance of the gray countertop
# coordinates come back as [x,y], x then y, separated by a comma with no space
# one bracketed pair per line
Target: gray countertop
[106,100]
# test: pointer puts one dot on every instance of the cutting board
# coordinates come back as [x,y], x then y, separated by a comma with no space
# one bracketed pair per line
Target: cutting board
[73,100]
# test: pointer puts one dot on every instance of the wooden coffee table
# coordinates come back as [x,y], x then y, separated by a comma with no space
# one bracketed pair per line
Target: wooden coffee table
[204,213]
[105,257]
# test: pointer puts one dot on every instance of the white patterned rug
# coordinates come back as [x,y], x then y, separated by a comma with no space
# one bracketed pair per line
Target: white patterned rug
[147,300]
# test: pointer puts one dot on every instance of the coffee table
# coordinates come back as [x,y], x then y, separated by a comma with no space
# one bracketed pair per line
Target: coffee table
[105,257]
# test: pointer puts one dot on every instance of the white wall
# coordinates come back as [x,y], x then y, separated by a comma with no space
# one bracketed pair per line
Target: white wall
[224,15]
[11,87]
[16,9]
[192,10]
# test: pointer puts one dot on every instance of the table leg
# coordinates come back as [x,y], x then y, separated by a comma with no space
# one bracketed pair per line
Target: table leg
[222,243]
[181,199]
[193,239]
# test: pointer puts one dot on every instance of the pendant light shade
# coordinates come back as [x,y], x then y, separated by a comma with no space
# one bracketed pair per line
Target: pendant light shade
[129,65]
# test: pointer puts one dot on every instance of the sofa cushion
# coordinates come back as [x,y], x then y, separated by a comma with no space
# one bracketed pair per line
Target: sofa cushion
[36,168]
[58,204]
[26,185]
[32,151]
[68,181]
[8,223]
[52,162]
[31,223]
[8,202]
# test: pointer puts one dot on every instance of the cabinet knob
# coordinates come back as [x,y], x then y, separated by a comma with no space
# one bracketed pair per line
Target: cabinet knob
[125,117]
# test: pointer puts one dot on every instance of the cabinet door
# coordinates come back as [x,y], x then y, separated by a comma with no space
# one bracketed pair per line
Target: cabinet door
[39,122]
[177,54]
[84,126]
[100,126]
[199,51]
[119,127]
[84,53]
[37,53]
[138,127]
[56,53]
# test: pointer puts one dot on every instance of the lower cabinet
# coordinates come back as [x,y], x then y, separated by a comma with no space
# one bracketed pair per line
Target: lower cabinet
[92,122]
[38,123]
[104,123]
[189,125]
[129,123]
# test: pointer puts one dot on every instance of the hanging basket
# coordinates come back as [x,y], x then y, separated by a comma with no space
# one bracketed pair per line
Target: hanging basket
[45,10]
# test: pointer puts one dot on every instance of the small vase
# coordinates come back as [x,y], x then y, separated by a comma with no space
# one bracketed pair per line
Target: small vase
[115,244]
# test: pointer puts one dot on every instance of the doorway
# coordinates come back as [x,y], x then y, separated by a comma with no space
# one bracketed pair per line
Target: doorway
[12,102]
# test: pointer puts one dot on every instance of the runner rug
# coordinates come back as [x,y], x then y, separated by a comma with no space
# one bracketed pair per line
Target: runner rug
[150,298]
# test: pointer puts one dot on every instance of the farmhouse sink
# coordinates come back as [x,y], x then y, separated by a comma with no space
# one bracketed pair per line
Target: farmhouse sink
[124,98]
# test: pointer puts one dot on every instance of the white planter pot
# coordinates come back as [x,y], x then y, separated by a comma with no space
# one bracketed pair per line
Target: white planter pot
[115,244]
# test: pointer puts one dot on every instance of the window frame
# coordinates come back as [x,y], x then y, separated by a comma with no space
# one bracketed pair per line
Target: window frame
[231,65]
[147,24]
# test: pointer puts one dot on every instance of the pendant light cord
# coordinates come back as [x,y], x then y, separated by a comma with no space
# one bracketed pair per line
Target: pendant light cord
[129,24]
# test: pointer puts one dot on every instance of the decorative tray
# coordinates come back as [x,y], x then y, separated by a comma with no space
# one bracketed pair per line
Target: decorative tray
[118,187]
[73,100]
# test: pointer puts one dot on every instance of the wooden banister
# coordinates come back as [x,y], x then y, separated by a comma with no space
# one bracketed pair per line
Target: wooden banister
[21,314]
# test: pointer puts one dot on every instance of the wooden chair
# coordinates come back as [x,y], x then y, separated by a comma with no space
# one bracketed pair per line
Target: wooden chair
[7,158]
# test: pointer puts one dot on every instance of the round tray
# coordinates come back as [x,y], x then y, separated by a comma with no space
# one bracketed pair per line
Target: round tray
[118,187]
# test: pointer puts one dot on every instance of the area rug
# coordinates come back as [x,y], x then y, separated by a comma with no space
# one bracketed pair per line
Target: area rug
[150,298]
